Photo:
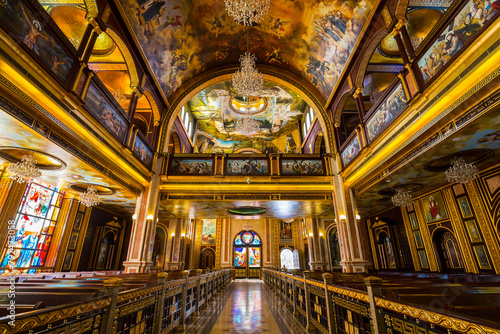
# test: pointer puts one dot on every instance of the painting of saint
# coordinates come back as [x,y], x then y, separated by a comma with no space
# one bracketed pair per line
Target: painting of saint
[473,231]
[247,166]
[465,26]
[208,231]
[434,207]
[141,151]
[351,151]
[286,232]
[181,166]
[97,104]
[464,207]
[30,31]
[29,243]
[390,109]
[302,167]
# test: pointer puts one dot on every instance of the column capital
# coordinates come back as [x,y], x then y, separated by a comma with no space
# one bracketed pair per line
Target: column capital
[357,92]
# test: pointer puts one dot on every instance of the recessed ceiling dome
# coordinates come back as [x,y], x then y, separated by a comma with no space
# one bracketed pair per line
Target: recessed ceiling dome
[252,106]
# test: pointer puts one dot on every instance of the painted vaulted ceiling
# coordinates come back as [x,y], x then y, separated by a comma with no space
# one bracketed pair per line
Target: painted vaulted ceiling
[182,39]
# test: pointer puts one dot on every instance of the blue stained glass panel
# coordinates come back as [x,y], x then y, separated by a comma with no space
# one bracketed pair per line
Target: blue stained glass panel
[237,240]
[256,240]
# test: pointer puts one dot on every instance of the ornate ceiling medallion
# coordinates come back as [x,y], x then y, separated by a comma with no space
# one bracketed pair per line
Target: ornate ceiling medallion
[247,12]
[248,106]
[44,161]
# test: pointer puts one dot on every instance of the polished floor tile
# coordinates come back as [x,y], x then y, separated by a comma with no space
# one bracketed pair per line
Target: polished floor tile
[246,311]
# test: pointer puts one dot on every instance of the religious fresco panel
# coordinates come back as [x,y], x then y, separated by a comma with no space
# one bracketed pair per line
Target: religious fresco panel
[247,166]
[208,231]
[291,166]
[143,152]
[464,27]
[286,232]
[434,207]
[351,151]
[190,166]
[31,33]
[277,110]
[185,38]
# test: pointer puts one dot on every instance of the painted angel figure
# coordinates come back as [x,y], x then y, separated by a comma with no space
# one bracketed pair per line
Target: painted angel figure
[277,25]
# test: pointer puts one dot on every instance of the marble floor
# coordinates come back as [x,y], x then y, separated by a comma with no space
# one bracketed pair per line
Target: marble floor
[245,307]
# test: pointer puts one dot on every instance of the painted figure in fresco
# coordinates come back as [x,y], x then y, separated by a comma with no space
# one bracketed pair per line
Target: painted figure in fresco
[28,244]
[236,168]
[469,27]
[275,57]
[56,62]
[173,21]
[434,208]
[178,63]
[489,138]
[317,69]
[491,8]
[276,26]
[434,63]
[35,31]
[454,43]
[217,25]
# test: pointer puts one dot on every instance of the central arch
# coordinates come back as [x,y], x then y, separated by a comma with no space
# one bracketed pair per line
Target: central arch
[288,80]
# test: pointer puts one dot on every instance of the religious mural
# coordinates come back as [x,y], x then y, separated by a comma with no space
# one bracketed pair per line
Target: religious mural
[33,228]
[183,166]
[286,232]
[277,110]
[185,38]
[465,26]
[208,231]
[434,207]
[107,114]
[247,166]
[351,151]
[302,167]
[142,151]
[386,113]
[17,19]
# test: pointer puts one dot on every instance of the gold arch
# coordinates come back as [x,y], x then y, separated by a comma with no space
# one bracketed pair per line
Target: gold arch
[337,113]
[153,105]
[132,70]
[367,55]
[401,9]
[305,90]
[247,149]
[317,143]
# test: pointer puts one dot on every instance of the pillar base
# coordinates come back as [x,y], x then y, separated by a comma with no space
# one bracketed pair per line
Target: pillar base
[356,266]
[317,266]
[137,266]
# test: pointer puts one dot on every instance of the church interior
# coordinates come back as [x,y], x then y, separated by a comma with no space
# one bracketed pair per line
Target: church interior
[249,166]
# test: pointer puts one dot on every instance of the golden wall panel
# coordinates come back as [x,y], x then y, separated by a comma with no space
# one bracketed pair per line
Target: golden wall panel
[429,248]
[409,235]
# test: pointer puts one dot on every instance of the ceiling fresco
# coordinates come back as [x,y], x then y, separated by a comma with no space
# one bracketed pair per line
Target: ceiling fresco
[278,111]
[15,134]
[311,38]
[478,135]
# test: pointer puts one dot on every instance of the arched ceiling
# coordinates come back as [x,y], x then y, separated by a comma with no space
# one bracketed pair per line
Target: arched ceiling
[278,110]
[310,38]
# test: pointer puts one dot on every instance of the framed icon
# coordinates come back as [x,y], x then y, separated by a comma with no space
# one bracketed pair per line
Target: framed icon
[78,221]
[463,203]
[73,240]
[68,260]
[418,239]
[434,207]
[474,234]
[413,221]
[482,258]
[423,259]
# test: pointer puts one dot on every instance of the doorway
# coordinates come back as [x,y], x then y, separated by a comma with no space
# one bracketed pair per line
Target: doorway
[247,255]
[207,258]
[448,252]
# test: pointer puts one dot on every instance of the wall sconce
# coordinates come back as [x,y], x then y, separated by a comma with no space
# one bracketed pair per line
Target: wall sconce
[358,217]
[183,235]
[311,234]
[173,234]
[134,216]
[342,217]
[149,217]
[320,234]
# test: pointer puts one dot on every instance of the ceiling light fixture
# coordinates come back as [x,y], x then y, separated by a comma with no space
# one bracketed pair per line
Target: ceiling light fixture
[90,197]
[460,171]
[25,170]
[402,197]
[247,12]
[248,81]
[247,126]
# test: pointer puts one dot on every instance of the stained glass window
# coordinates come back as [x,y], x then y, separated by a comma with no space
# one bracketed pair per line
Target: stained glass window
[237,240]
[254,257]
[240,256]
[32,229]
[247,237]
[256,240]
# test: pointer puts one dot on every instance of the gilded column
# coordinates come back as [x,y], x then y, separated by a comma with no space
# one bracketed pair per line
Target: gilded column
[429,249]
[12,193]
[409,236]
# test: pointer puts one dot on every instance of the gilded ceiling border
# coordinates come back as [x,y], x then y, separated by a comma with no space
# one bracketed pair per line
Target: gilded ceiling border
[307,92]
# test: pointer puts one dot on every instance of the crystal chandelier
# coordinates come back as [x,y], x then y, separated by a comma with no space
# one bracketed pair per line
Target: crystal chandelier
[247,126]
[90,197]
[402,197]
[25,170]
[247,81]
[460,171]
[247,12]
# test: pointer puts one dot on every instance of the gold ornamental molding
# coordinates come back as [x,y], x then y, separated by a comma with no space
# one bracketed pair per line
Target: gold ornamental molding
[132,70]
[424,230]
[303,88]
[411,242]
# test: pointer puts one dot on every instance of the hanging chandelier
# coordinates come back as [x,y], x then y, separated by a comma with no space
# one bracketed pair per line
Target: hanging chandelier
[402,197]
[248,81]
[25,170]
[247,126]
[247,12]
[90,197]
[460,171]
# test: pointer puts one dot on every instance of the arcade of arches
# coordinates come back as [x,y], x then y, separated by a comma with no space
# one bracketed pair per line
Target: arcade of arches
[362,100]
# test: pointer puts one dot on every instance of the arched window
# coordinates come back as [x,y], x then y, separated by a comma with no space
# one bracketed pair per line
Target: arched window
[286,258]
[296,259]
[247,254]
